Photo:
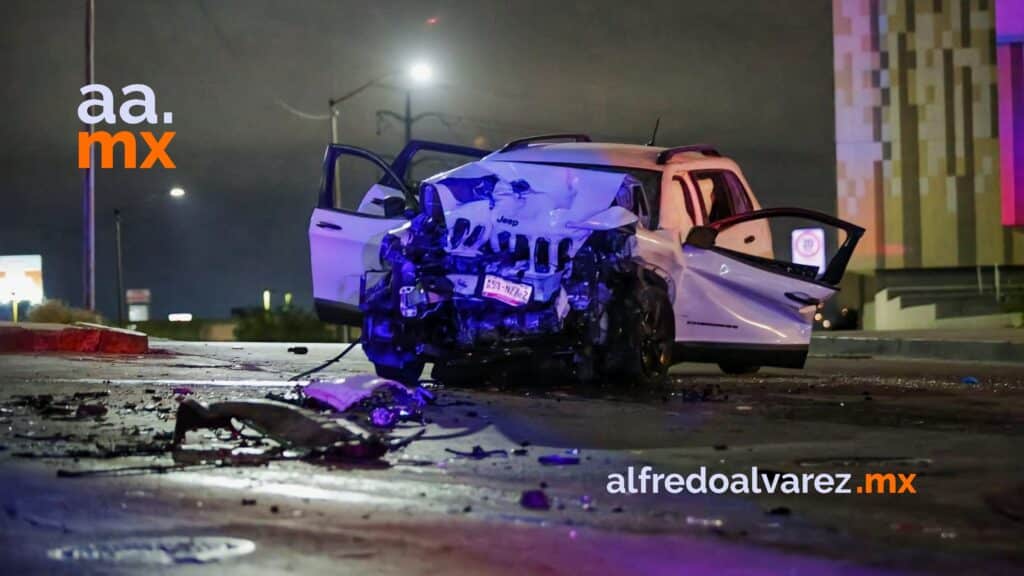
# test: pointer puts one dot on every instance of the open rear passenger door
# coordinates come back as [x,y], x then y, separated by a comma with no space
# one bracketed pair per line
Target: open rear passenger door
[746,310]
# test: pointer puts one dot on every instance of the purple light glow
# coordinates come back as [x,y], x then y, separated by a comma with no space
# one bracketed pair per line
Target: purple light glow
[1010,57]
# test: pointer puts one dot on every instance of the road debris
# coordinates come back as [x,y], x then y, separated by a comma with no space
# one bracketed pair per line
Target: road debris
[161,550]
[90,411]
[535,500]
[291,426]
[569,458]
[478,453]
[300,350]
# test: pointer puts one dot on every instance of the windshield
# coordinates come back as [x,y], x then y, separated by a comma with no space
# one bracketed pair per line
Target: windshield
[650,183]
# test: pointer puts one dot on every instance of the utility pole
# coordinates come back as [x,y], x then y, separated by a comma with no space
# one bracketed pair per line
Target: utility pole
[408,116]
[88,187]
[332,109]
[120,268]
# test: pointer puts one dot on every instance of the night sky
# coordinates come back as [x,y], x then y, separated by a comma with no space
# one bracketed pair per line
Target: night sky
[753,77]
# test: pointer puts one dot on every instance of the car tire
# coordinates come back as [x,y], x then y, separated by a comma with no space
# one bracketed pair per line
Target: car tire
[737,369]
[642,345]
[408,374]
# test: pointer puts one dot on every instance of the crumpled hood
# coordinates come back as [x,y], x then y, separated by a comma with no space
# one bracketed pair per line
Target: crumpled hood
[536,201]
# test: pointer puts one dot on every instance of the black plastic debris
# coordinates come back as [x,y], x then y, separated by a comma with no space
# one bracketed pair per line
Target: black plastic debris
[288,425]
[300,350]
[477,453]
[535,500]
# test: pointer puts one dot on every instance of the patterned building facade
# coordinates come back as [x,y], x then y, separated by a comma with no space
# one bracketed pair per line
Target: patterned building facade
[917,133]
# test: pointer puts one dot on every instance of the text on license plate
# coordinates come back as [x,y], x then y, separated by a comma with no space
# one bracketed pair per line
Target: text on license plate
[512,293]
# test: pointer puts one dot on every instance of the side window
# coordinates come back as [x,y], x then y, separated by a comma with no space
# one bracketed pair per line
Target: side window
[721,193]
[353,178]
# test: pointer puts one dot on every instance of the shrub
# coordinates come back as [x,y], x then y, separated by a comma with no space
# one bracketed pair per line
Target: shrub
[282,325]
[57,312]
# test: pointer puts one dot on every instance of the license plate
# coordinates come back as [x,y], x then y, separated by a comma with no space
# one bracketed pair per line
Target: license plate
[511,293]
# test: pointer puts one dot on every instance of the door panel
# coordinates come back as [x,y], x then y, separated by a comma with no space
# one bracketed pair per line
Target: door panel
[728,300]
[758,309]
[342,246]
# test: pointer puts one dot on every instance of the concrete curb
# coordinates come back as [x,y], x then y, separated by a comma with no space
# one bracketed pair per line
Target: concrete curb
[81,337]
[922,348]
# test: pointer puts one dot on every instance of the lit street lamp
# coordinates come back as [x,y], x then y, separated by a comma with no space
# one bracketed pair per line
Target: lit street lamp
[420,73]
[177,192]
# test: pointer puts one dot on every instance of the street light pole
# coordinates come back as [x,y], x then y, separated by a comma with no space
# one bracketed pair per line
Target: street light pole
[120,268]
[88,186]
[408,116]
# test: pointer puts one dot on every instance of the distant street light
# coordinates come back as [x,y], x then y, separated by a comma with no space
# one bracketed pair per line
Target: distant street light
[177,192]
[421,72]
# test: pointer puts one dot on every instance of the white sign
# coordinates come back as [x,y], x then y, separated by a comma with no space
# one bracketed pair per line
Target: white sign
[808,246]
[21,278]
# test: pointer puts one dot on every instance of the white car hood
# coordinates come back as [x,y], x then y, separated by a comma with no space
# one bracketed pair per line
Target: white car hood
[534,200]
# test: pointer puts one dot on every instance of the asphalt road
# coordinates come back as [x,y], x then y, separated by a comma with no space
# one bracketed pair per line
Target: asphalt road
[429,511]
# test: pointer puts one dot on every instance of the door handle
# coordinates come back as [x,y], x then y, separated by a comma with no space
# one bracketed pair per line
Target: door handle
[749,239]
[802,298]
[328,225]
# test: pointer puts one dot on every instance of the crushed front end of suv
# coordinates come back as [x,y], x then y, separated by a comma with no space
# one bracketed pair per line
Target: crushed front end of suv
[556,255]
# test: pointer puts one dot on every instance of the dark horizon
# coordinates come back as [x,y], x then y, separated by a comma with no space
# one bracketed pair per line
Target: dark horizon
[241,76]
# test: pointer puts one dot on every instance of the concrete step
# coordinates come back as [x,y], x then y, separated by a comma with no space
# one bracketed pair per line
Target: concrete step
[990,345]
[81,337]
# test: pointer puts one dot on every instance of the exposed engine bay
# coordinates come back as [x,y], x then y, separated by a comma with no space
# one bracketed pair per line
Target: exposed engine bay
[504,258]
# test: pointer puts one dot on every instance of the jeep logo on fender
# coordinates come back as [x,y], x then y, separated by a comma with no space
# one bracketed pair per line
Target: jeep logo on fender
[104,101]
[508,221]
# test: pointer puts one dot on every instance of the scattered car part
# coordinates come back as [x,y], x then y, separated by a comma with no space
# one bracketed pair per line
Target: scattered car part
[292,426]
[534,500]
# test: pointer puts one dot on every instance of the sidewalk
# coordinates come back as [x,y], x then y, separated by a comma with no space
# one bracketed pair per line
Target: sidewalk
[984,345]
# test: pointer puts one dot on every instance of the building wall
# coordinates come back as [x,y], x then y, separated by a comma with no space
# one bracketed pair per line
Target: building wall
[917,133]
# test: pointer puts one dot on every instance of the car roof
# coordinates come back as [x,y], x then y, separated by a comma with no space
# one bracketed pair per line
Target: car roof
[593,154]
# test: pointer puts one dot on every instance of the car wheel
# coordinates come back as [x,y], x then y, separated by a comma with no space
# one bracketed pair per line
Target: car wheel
[738,368]
[646,334]
[408,374]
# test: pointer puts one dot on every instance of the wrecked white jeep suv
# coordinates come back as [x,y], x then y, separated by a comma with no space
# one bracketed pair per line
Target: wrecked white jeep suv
[559,255]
